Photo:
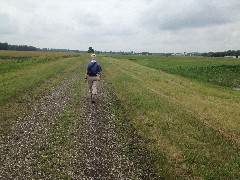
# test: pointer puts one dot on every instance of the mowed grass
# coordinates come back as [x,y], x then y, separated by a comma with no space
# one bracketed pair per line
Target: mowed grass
[20,73]
[27,76]
[220,71]
[192,128]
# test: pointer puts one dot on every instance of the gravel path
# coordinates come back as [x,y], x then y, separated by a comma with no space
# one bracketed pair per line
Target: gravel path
[102,149]
[99,152]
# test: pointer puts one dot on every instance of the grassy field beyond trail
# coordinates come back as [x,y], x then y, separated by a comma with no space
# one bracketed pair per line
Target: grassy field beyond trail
[220,71]
[21,71]
[192,128]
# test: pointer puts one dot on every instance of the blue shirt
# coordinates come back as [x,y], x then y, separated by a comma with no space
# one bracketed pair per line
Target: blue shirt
[95,68]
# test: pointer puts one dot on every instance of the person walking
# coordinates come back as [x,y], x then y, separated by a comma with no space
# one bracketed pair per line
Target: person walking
[93,76]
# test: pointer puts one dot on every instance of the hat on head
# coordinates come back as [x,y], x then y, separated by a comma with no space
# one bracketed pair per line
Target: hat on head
[93,55]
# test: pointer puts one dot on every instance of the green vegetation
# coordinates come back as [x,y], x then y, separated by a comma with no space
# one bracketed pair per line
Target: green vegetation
[12,63]
[26,76]
[191,128]
[23,73]
[220,71]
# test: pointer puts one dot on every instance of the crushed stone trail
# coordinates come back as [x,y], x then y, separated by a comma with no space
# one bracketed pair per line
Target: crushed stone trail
[99,150]
[102,148]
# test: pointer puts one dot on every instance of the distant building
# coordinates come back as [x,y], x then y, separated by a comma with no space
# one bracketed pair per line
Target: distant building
[231,56]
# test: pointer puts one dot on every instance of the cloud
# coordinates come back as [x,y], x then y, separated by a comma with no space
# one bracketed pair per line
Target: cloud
[183,14]
[122,25]
[7,26]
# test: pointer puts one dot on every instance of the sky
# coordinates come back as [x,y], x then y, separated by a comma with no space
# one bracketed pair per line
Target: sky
[123,25]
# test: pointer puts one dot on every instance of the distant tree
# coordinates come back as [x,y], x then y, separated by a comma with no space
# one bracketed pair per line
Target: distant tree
[90,50]
[237,53]
[145,53]
[4,46]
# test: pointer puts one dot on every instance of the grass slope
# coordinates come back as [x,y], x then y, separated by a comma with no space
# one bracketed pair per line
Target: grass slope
[192,128]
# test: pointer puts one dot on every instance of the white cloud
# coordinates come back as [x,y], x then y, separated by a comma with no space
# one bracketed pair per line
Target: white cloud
[138,25]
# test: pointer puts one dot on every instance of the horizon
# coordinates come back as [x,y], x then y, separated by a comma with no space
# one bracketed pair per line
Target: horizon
[111,51]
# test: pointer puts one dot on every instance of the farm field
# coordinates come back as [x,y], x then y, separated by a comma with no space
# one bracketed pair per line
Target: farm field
[220,71]
[156,118]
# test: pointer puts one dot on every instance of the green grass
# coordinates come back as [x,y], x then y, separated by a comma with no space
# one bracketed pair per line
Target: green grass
[20,76]
[12,63]
[192,128]
[220,71]
[30,79]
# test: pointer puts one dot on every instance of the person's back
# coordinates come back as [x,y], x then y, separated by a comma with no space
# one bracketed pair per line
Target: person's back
[93,68]
[93,76]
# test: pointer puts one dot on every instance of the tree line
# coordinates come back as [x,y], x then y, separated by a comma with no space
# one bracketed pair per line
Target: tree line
[6,46]
[222,54]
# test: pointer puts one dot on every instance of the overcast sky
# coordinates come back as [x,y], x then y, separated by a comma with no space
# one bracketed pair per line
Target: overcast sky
[123,25]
